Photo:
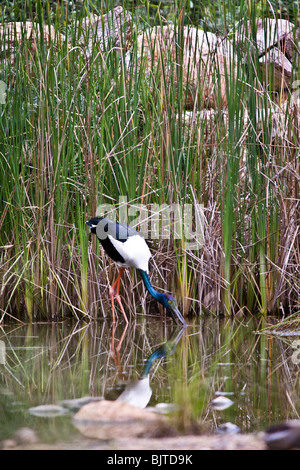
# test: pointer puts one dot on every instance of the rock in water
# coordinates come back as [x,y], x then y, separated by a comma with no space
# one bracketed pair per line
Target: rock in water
[115,420]
[284,436]
[47,411]
[221,403]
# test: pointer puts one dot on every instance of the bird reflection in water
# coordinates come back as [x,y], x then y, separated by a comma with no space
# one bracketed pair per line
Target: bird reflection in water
[115,350]
[138,392]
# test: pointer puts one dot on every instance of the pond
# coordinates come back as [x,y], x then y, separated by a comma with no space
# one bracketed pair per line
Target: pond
[257,372]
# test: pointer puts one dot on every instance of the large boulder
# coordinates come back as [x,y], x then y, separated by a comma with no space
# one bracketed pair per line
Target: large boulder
[116,419]
[205,59]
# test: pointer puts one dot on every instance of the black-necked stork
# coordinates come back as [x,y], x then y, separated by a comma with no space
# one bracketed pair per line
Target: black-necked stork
[129,249]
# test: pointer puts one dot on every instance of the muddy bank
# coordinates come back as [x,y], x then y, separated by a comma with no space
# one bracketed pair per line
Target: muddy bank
[204,442]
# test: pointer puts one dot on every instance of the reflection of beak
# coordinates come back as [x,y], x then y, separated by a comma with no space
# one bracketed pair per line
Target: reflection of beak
[177,317]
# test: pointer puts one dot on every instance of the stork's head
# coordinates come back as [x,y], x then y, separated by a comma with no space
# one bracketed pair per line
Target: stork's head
[171,305]
[92,223]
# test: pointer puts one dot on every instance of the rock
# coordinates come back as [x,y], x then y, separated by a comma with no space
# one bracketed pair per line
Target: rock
[206,59]
[8,444]
[16,32]
[45,411]
[284,436]
[228,428]
[75,404]
[164,408]
[26,436]
[269,33]
[113,29]
[279,69]
[116,419]
[221,403]
[274,44]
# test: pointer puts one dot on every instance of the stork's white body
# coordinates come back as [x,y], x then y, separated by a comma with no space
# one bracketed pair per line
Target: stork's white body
[135,252]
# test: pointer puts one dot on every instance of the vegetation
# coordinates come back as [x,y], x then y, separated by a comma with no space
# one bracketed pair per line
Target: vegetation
[79,131]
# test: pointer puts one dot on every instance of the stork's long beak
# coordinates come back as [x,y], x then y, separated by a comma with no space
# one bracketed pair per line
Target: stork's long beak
[176,315]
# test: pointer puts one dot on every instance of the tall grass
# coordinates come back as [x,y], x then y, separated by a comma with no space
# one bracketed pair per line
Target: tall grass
[79,131]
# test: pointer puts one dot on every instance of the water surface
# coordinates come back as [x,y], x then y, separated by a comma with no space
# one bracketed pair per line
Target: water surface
[42,364]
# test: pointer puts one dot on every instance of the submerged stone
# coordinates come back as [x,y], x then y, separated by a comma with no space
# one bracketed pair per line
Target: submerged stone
[45,411]
[284,436]
[26,435]
[163,408]
[228,428]
[74,404]
[221,403]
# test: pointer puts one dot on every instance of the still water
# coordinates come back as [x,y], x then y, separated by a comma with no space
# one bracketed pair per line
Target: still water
[241,360]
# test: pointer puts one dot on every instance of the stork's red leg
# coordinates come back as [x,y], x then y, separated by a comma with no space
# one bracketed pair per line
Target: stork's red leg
[114,294]
[116,284]
[118,299]
[111,293]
